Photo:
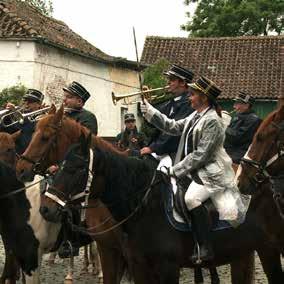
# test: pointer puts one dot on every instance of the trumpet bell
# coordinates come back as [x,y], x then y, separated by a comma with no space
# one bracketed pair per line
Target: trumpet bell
[146,94]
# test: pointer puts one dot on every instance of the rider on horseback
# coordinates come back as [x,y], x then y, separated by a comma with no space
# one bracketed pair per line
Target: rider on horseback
[202,158]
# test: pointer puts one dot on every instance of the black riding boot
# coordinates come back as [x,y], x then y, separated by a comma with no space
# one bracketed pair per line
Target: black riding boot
[74,238]
[201,228]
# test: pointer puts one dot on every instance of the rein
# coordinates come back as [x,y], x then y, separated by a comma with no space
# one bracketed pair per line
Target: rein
[6,195]
[53,196]
[138,207]
[51,144]
[86,194]
[262,166]
[262,175]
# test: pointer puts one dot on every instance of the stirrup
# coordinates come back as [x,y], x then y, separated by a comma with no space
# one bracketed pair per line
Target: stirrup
[198,259]
[66,250]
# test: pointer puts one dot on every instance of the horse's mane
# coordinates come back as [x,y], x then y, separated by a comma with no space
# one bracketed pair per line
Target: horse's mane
[126,178]
[6,138]
[267,121]
[70,126]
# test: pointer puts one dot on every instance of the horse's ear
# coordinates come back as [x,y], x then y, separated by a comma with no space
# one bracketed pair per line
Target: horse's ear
[59,115]
[52,109]
[281,110]
[16,135]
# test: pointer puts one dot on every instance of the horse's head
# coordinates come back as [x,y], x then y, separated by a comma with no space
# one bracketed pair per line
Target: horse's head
[8,148]
[265,155]
[70,181]
[48,145]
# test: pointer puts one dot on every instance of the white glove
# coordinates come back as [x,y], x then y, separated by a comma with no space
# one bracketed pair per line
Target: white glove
[144,107]
[168,171]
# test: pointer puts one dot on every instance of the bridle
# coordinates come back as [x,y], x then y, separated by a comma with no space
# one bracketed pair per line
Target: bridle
[62,199]
[263,175]
[36,165]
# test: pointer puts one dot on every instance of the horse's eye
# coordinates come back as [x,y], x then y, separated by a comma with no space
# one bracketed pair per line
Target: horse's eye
[44,138]
[259,137]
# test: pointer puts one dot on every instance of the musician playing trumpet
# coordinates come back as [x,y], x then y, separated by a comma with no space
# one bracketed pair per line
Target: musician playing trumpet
[177,108]
[32,101]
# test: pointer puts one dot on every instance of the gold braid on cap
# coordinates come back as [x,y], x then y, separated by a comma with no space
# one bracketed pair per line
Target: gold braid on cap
[205,91]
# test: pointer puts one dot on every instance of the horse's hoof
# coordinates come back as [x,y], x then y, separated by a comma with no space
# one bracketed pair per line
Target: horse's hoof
[68,277]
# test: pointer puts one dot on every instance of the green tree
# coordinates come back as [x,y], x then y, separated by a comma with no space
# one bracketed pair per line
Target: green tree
[154,78]
[45,6]
[216,18]
[12,94]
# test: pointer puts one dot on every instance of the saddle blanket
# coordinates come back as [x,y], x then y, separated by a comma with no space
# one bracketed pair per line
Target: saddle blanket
[177,221]
[173,217]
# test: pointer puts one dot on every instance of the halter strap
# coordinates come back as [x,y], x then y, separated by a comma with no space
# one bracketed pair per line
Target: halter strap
[84,193]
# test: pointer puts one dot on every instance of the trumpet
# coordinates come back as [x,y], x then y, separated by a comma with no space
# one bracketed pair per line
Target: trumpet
[145,93]
[10,117]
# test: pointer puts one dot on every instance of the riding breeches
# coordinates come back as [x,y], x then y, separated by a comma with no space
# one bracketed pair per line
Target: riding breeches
[195,195]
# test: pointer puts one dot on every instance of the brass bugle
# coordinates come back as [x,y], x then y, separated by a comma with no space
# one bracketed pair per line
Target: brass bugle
[9,117]
[116,98]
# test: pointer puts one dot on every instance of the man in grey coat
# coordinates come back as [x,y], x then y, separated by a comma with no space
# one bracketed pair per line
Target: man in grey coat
[202,158]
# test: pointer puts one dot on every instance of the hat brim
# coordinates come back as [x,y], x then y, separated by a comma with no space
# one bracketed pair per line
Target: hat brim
[196,87]
[31,98]
[239,100]
[128,120]
[171,73]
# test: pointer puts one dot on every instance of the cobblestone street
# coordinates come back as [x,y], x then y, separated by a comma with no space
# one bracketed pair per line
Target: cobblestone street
[55,273]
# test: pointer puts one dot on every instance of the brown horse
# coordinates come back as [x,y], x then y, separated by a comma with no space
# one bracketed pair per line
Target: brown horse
[53,135]
[263,162]
[156,250]
[11,271]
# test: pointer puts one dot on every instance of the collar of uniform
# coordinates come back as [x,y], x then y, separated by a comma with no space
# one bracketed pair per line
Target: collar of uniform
[203,112]
[176,99]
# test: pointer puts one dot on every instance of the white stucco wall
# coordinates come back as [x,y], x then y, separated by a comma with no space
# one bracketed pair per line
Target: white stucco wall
[16,63]
[49,69]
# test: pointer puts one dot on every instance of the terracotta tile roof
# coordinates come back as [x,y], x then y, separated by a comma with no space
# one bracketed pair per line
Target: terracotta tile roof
[252,64]
[20,20]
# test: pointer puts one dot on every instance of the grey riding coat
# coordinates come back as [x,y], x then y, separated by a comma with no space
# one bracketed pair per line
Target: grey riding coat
[208,158]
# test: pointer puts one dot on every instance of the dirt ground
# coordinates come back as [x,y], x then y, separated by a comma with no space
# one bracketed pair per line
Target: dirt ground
[55,273]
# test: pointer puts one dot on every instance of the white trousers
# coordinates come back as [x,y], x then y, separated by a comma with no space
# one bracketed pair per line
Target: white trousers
[195,195]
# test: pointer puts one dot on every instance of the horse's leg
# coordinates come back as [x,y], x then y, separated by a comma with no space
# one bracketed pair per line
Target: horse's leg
[112,262]
[95,260]
[35,277]
[214,275]
[51,258]
[86,260]
[271,263]
[69,276]
[242,269]
[198,277]
[11,271]
[168,272]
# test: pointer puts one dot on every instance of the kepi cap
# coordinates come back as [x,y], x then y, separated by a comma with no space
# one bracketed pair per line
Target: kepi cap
[129,117]
[34,95]
[180,72]
[77,89]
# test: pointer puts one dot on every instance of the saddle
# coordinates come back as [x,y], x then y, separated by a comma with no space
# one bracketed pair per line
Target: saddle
[180,205]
